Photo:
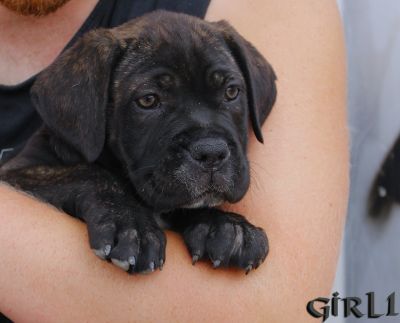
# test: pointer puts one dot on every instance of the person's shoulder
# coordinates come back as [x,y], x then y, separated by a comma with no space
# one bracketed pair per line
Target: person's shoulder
[303,41]
[267,21]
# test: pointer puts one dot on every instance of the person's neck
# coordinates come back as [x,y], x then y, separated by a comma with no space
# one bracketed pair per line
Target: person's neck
[29,44]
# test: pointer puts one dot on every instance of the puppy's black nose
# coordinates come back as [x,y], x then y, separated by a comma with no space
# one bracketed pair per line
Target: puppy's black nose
[209,152]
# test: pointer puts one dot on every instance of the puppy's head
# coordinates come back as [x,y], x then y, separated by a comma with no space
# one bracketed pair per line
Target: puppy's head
[171,96]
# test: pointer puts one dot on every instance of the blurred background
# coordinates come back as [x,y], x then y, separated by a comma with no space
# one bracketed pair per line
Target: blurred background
[370,257]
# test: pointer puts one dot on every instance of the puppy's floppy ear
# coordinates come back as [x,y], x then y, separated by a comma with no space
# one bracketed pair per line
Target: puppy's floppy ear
[71,94]
[259,76]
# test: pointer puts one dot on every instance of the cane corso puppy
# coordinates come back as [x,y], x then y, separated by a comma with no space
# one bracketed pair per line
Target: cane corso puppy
[146,128]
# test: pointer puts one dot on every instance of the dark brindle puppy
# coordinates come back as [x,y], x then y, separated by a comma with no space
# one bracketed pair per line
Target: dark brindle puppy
[146,126]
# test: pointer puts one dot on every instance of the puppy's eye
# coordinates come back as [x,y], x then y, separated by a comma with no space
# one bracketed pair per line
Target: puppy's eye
[148,101]
[231,93]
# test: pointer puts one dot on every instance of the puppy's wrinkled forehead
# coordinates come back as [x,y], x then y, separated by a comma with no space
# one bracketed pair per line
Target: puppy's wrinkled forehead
[186,46]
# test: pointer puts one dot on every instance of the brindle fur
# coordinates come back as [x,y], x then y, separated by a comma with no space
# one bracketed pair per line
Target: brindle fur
[123,169]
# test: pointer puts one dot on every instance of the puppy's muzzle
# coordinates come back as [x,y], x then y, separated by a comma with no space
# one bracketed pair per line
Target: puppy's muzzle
[209,153]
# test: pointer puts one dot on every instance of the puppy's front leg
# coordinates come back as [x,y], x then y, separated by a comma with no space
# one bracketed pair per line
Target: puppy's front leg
[119,227]
[226,238]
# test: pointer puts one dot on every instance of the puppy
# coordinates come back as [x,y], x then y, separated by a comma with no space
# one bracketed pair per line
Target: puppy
[146,128]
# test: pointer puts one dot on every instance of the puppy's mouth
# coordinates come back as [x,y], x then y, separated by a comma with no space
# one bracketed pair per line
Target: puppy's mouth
[210,198]
[208,175]
[187,188]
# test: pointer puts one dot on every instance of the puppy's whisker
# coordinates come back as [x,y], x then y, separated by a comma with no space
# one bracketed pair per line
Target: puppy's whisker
[254,172]
[253,178]
[258,165]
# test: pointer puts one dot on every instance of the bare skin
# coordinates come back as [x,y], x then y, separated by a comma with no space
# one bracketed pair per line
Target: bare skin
[29,44]
[298,195]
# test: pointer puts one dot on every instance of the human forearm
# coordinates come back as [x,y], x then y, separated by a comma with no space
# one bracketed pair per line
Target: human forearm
[49,274]
[298,195]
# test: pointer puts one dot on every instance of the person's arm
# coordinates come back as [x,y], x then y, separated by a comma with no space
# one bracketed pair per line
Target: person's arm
[298,195]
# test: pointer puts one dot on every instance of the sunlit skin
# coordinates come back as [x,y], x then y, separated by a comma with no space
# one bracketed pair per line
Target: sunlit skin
[298,192]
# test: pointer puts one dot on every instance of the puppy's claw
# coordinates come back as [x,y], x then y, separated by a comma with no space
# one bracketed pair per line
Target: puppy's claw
[149,270]
[195,259]
[107,250]
[104,252]
[248,269]
[99,253]
[121,264]
[216,263]
[132,261]
[161,264]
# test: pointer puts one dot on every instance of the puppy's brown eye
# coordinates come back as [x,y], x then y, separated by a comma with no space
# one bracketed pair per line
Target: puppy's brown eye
[231,93]
[148,101]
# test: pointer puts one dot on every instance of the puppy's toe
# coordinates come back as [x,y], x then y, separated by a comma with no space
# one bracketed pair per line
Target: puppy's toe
[101,238]
[126,251]
[220,244]
[152,251]
[103,252]
[253,250]
[195,238]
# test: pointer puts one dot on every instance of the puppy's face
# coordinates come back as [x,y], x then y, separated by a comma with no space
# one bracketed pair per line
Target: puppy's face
[177,106]
[179,119]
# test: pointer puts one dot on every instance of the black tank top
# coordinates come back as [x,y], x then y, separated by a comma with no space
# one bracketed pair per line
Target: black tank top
[18,118]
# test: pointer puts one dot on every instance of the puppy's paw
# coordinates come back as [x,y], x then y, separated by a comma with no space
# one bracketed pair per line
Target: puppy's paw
[138,248]
[228,240]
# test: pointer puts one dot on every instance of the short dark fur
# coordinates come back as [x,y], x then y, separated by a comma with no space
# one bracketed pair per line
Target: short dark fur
[127,170]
